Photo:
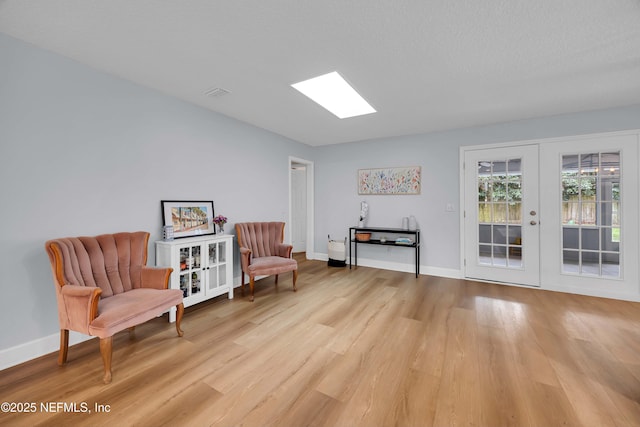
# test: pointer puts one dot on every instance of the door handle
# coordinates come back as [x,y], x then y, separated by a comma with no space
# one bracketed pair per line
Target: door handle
[533,222]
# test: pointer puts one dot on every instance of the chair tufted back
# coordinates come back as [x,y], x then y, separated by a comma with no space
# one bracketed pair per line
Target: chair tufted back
[112,262]
[263,238]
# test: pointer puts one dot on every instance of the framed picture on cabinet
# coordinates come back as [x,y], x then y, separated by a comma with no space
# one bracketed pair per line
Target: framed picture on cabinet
[188,218]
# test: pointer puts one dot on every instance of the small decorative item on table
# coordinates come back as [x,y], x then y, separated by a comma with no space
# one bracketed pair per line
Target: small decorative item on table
[364,210]
[363,237]
[167,232]
[220,221]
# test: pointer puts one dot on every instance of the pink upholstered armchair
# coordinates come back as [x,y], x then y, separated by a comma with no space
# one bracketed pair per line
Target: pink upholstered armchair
[263,253]
[103,286]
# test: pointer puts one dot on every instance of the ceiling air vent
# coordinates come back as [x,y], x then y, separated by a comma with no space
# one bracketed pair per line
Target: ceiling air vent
[216,91]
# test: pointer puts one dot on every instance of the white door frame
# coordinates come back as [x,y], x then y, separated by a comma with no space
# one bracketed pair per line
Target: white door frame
[310,198]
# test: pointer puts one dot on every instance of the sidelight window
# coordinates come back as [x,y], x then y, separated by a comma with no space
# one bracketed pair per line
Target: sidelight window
[591,200]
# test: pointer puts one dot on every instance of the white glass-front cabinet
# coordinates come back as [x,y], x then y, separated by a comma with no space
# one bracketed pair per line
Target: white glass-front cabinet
[202,267]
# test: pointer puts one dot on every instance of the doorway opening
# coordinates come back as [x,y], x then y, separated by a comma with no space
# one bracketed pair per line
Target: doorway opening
[301,219]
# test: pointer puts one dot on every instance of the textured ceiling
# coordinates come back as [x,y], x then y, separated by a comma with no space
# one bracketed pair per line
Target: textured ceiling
[425,65]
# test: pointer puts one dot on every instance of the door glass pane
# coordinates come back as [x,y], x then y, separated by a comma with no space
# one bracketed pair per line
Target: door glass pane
[499,191]
[500,212]
[610,239]
[484,168]
[484,189]
[484,212]
[570,213]
[590,239]
[515,213]
[589,164]
[590,263]
[611,265]
[500,234]
[610,163]
[570,261]
[515,235]
[514,167]
[590,214]
[570,238]
[500,256]
[515,256]
[515,246]
[484,254]
[499,170]
[514,193]
[484,233]
[605,213]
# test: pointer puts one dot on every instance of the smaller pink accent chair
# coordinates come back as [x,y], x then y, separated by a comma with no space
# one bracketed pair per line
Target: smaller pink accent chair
[103,286]
[263,253]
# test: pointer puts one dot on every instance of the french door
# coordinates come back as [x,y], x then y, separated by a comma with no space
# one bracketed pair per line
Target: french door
[590,232]
[501,215]
[560,214]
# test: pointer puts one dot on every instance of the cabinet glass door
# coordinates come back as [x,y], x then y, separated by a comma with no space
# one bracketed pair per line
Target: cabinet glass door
[191,273]
[222,263]
[214,253]
[217,265]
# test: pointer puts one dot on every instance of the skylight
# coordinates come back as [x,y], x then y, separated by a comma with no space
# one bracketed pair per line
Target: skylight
[332,92]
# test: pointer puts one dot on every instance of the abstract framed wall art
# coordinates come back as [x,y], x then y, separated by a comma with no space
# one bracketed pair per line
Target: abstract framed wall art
[402,180]
[188,218]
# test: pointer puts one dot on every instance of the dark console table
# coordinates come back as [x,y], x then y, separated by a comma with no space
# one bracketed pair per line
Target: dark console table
[390,234]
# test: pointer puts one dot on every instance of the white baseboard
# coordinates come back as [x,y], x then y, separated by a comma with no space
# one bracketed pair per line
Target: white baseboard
[317,256]
[624,296]
[407,268]
[31,350]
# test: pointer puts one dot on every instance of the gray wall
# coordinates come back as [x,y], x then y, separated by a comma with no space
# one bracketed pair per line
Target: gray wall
[85,153]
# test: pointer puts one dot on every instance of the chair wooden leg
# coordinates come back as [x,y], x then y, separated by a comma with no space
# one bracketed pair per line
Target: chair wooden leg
[179,313]
[276,280]
[242,283]
[106,345]
[64,346]
[295,277]
[251,286]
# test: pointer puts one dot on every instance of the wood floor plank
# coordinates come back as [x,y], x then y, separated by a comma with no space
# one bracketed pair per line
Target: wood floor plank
[459,396]
[357,347]
[503,392]
[383,374]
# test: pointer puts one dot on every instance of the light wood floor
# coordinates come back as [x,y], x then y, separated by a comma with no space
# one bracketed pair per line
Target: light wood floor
[360,347]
